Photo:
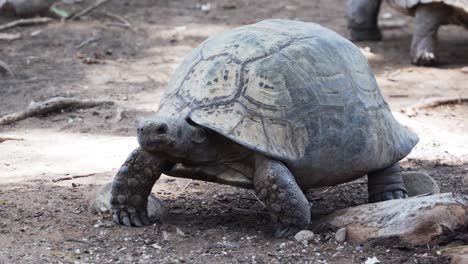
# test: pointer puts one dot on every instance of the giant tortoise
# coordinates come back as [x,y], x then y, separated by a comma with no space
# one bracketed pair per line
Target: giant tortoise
[429,15]
[278,106]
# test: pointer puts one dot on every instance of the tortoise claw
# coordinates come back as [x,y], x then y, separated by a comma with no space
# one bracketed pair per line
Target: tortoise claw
[285,231]
[124,219]
[136,221]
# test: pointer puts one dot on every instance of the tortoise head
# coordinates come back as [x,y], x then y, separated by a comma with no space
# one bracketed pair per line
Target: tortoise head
[175,138]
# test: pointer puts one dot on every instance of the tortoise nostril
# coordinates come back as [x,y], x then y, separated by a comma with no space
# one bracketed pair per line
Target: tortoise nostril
[162,129]
[140,130]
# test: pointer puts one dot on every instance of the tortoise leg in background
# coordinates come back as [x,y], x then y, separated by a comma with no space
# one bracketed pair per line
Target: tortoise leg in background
[427,20]
[276,187]
[132,185]
[386,184]
[362,19]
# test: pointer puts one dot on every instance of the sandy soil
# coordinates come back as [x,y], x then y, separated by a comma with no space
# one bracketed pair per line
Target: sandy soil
[42,221]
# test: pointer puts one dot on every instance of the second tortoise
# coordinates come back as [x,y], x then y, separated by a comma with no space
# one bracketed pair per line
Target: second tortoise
[429,15]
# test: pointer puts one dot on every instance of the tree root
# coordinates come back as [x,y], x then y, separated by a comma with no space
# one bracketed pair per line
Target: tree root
[26,22]
[2,139]
[51,105]
[73,177]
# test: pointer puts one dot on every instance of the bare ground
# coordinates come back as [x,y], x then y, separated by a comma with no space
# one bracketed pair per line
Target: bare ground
[43,221]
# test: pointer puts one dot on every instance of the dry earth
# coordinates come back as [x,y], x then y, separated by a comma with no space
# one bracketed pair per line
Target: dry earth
[42,221]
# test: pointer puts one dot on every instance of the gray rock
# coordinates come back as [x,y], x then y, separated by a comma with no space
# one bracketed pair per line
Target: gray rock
[304,235]
[418,183]
[340,235]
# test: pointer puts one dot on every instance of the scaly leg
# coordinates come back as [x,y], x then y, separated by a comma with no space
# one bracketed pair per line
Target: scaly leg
[362,19]
[276,187]
[427,20]
[386,184]
[132,185]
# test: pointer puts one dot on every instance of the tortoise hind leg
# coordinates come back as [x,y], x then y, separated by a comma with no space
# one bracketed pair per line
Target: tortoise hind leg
[386,184]
[276,187]
[362,19]
[427,20]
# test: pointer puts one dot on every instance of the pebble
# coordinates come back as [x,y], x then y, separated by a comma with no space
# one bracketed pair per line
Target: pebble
[304,235]
[340,235]
[372,260]
[229,244]
[156,246]
[464,69]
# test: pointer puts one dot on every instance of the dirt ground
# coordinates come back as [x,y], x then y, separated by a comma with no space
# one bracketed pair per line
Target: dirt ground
[42,221]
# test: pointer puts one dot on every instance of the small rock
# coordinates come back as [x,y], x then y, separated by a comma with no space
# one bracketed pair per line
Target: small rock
[165,236]
[372,260]
[231,244]
[464,69]
[304,235]
[179,231]
[387,15]
[204,7]
[340,235]
[156,246]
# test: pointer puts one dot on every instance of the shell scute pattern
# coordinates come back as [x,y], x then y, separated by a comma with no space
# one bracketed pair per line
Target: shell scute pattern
[182,73]
[287,89]
[217,76]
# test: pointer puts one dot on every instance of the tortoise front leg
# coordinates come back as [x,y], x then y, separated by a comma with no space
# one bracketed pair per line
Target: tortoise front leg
[276,187]
[362,19]
[132,185]
[427,20]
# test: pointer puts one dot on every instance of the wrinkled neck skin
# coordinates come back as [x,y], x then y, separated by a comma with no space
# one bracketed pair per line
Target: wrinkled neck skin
[182,141]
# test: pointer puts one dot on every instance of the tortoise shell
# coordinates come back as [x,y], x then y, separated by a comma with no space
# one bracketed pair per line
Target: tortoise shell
[291,90]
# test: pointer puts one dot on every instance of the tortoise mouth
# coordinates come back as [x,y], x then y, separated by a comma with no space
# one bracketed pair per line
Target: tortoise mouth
[157,144]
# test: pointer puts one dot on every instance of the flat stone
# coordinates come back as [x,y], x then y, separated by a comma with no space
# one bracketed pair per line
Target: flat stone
[418,183]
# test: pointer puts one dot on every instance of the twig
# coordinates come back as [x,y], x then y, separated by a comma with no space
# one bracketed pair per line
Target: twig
[87,42]
[451,248]
[441,101]
[5,69]
[123,22]
[240,209]
[25,22]
[73,177]
[120,25]
[258,200]
[187,185]
[2,139]
[10,37]
[51,105]
[88,9]
[77,241]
